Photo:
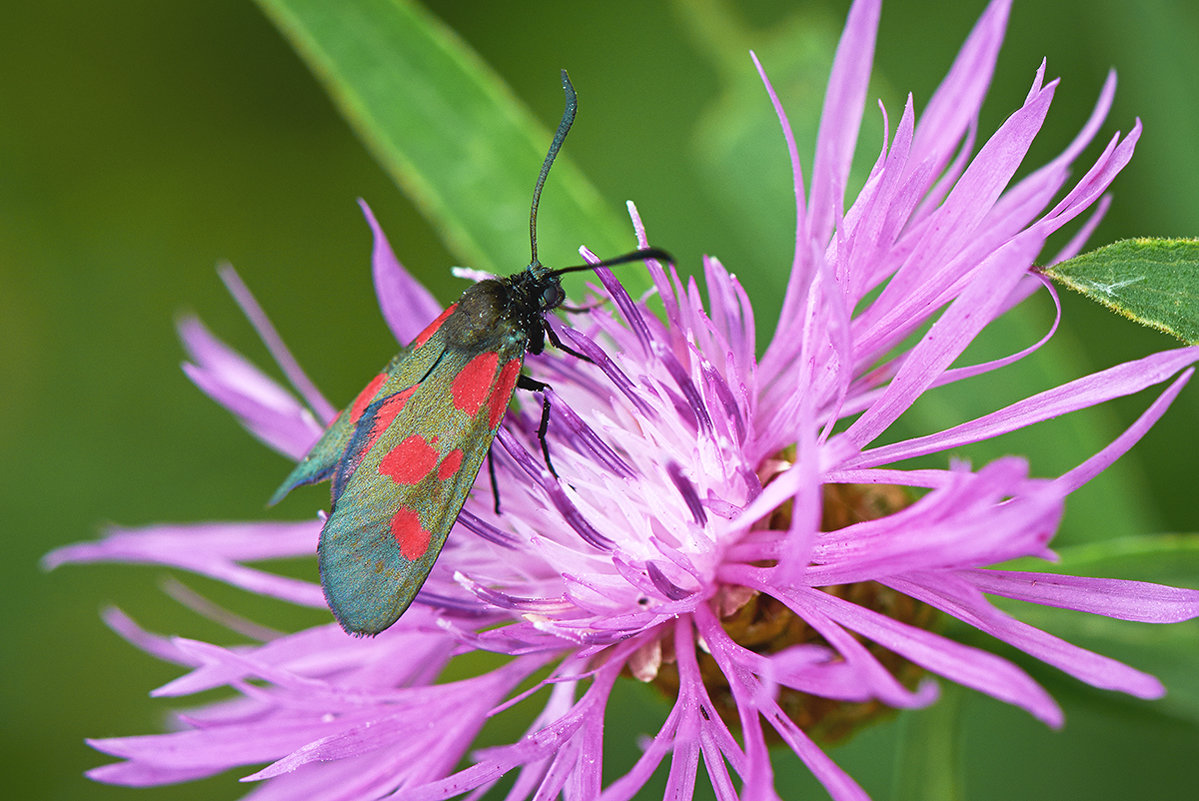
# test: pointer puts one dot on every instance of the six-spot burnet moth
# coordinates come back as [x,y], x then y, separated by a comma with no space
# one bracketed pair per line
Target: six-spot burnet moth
[404,455]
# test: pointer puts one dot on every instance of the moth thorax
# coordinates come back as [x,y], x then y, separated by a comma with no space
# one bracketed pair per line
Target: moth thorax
[480,315]
[532,292]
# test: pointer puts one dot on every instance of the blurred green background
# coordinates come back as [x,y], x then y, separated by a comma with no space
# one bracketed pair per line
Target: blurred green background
[143,142]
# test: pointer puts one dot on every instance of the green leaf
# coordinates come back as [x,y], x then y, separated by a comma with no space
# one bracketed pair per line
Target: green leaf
[449,131]
[928,765]
[1152,281]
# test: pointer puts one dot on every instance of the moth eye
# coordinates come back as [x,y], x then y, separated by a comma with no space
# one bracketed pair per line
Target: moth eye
[552,296]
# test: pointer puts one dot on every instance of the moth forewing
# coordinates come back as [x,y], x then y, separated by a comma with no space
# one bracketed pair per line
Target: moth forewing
[404,494]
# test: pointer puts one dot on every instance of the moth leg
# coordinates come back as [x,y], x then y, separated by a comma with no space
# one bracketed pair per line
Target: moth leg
[495,487]
[557,343]
[533,385]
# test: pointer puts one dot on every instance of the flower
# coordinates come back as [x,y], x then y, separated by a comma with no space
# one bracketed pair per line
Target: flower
[724,526]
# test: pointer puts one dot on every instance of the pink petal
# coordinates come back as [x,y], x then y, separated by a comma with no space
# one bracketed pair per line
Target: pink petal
[274,343]
[1093,466]
[162,647]
[948,337]
[210,550]
[141,774]
[949,241]
[1118,598]
[970,667]
[231,541]
[800,275]
[838,783]
[979,528]
[219,749]
[959,373]
[957,100]
[345,780]
[406,305]
[952,595]
[1123,379]
[268,411]
[841,115]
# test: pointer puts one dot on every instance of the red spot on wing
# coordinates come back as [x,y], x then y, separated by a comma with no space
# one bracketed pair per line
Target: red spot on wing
[410,461]
[365,397]
[505,385]
[473,382]
[449,465]
[409,534]
[432,327]
[387,412]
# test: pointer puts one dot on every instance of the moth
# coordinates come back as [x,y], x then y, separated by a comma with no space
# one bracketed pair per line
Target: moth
[403,457]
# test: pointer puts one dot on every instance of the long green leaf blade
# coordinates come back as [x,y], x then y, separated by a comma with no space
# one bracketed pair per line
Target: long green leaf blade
[448,130]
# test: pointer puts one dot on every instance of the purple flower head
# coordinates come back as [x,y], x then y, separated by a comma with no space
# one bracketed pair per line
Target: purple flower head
[724,525]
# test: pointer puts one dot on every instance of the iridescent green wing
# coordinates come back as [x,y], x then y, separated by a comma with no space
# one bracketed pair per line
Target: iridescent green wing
[405,476]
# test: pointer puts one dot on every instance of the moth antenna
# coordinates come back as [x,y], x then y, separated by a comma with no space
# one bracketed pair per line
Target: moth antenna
[637,255]
[568,118]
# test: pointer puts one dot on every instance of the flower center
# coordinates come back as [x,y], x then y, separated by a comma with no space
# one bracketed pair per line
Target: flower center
[765,625]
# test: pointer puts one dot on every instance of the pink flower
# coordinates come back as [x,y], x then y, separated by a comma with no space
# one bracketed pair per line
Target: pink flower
[704,492]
